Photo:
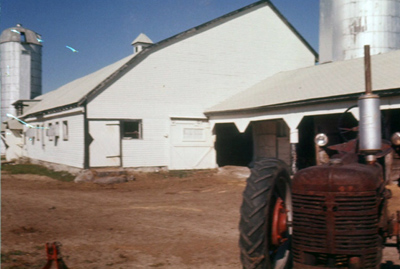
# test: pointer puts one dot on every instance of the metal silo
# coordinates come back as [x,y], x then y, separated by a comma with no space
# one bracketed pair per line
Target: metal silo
[347,25]
[21,67]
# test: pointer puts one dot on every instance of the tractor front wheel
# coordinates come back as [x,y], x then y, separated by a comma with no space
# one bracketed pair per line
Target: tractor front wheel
[265,216]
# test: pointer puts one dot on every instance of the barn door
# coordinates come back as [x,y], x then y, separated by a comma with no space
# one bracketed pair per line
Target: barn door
[192,145]
[105,149]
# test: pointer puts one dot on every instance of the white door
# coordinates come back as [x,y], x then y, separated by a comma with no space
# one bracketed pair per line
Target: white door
[105,148]
[192,145]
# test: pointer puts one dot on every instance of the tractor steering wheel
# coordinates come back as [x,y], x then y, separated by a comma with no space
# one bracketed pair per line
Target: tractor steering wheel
[342,130]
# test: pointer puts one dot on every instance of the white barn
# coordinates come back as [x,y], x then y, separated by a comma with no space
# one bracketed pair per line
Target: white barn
[147,110]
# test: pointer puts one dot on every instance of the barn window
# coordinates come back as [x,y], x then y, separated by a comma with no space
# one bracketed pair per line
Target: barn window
[50,132]
[38,132]
[42,133]
[57,129]
[132,129]
[30,133]
[193,134]
[65,130]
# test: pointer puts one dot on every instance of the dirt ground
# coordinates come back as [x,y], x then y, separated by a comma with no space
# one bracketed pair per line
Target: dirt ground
[157,221]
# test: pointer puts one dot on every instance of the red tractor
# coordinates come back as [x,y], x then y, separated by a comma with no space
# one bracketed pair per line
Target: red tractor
[327,216]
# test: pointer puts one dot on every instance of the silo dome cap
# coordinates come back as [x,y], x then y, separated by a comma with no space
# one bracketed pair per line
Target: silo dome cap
[13,34]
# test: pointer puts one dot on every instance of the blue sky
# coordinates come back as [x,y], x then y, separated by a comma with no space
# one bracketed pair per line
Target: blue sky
[102,30]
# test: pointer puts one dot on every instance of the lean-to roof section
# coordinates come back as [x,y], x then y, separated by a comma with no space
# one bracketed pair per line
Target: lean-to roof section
[330,81]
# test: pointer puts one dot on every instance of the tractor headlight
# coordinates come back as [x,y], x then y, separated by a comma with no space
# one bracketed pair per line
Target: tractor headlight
[321,139]
[395,139]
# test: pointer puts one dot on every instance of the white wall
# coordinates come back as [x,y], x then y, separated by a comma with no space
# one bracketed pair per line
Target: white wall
[14,140]
[193,74]
[151,149]
[69,152]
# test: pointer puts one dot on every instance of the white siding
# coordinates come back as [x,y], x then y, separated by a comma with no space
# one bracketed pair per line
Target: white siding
[69,152]
[151,149]
[195,73]
[14,140]
[199,71]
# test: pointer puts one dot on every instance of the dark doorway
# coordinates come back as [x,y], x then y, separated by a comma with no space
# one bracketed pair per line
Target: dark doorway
[327,124]
[390,122]
[233,147]
[306,147]
[390,125]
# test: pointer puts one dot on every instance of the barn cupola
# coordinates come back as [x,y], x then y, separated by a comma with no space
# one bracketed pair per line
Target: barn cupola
[141,42]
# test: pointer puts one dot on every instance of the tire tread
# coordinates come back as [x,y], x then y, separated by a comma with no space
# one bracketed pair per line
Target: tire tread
[252,226]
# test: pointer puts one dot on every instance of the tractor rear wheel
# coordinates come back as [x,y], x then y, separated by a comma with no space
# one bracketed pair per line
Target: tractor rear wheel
[265,216]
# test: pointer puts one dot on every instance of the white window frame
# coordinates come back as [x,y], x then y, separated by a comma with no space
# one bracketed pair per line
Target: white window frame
[140,130]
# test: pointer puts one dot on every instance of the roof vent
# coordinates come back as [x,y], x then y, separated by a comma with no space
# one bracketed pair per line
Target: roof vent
[141,42]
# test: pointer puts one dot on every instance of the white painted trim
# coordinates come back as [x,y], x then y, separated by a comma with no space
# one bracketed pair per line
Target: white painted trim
[242,124]
[188,117]
[294,136]
[58,114]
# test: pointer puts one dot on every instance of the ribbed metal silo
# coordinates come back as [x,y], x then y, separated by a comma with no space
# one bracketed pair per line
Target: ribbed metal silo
[21,67]
[347,25]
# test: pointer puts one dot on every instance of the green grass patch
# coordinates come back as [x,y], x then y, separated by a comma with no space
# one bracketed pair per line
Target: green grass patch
[37,170]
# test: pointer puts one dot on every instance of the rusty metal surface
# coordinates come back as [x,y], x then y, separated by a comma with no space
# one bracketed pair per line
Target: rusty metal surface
[352,147]
[336,211]
[338,177]
[53,254]
[279,223]
[396,230]
[367,66]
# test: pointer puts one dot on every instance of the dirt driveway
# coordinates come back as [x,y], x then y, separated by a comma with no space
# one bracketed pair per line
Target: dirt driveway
[156,221]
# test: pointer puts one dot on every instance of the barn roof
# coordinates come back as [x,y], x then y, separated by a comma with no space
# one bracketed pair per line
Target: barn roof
[73,92]
[78,91]
[330,81]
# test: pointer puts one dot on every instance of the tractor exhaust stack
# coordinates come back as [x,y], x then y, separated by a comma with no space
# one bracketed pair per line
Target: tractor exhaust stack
[370,116]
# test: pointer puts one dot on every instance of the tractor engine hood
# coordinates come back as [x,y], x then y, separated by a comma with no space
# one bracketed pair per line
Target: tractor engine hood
[338,177]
